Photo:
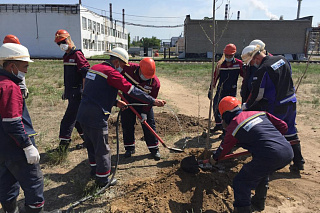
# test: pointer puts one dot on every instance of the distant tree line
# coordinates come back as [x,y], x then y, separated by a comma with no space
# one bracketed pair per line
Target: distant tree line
[147,42]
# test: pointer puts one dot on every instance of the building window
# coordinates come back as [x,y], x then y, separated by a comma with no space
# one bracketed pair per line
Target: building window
[85,44]
[102,29]
[94,26]
[95,45]
[102,46]
[107,45]
[84,23]
[91,46]
[89,24]
[98,28]
[99,45]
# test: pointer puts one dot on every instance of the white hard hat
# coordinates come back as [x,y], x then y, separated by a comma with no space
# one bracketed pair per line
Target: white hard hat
[248,52]
[16,52]
[120,53]
[258,42]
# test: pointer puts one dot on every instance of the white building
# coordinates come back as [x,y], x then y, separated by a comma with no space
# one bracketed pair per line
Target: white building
[35,26]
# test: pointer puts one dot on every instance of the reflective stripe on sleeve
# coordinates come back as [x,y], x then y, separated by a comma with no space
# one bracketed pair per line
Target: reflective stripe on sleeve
[11,119]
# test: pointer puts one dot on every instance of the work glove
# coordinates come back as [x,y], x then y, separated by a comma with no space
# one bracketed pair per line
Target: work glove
[244,106]
[143,117]
[32,154]
[25,93]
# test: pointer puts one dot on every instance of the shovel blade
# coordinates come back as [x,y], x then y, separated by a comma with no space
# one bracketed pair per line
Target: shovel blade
[175,149]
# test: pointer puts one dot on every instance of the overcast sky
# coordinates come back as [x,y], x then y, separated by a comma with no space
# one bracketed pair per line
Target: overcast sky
[173,12]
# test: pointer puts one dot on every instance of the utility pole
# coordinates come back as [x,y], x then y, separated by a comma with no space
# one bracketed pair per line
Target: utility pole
[212,73]
[298,12]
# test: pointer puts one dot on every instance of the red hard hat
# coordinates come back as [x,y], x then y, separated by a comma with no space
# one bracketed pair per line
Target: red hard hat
[61,35]
[11,39]
[230,49]
[228,103]
[148,67]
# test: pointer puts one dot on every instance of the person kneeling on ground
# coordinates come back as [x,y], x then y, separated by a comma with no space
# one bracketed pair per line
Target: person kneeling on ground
[262,135]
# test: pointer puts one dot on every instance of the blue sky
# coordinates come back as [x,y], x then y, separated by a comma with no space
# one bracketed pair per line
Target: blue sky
[152,12]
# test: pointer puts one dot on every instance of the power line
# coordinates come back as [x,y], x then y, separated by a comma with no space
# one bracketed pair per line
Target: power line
[154,26]
[168,17]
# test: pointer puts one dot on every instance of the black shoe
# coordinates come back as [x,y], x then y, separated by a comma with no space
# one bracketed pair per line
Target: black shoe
[216,128]
[257,205]
[64,145]
[80,146]
[296,167]
[245,209]
[103,184]
[129,153]
[156,154]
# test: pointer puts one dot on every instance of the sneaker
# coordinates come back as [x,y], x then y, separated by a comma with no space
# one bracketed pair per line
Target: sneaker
[156,155]
[216,128]
[296,167]
[129,153]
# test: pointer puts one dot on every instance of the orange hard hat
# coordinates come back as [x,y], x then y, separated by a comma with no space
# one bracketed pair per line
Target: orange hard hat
[61,35]
[230,49]
[228,103]
[148,67]
[11,39]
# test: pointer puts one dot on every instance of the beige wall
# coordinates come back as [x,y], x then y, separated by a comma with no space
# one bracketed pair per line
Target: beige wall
[281,37]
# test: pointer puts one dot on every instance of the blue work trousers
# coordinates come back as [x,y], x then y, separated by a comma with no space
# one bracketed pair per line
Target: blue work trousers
[16,173]
[217,98]
[99,152]
[128,121]
[68,121]
[255,172]
[287,113]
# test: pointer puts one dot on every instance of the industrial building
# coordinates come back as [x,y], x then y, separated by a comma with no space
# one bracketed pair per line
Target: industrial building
[35,26]
[286,37]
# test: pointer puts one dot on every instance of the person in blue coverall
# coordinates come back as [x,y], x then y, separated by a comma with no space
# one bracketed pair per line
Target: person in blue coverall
[19,157]
[262,135]
[75,69]
[99,95]
[142,75]
[225,78]
[273,91]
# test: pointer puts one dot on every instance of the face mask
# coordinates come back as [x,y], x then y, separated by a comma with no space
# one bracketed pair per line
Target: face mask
[64,47]
[119,69]
[256,65]
[20,74]
[229,59]
[143,78]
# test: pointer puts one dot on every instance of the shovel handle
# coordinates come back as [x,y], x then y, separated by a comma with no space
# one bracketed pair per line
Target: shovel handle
[292,142]
[144,122]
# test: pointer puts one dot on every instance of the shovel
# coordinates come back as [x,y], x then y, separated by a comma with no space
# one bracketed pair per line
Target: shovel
[149,127]
[190,164]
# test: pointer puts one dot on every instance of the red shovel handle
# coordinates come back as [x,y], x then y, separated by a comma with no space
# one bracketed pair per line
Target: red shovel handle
[144,122]
[247,153]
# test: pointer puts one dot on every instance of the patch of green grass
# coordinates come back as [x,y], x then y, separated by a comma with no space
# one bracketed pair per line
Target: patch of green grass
[55,157]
